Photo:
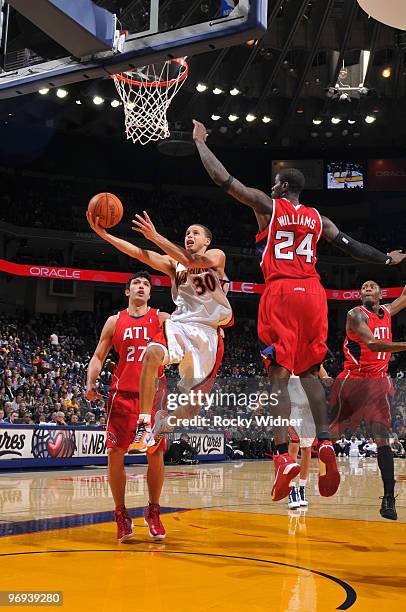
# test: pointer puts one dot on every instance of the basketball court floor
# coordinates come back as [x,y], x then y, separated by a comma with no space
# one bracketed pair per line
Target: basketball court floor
[228,547]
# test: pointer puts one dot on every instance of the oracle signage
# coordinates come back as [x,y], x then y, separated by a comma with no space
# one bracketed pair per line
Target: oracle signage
[387,174]
[63,273]
[100,276]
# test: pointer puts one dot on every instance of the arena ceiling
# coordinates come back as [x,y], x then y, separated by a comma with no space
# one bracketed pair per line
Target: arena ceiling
[303,73]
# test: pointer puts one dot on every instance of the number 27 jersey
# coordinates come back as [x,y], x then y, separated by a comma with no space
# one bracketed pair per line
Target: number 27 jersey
[130,340]
[287,247]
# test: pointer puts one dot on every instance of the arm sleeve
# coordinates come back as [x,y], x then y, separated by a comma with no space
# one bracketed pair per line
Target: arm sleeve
[360,250]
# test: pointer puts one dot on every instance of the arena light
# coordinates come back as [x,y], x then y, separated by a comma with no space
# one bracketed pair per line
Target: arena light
[317,121]
[387,72]
[78,102]
[234,91]
[250,118]
[232,117]
[215,117]
[266,119]
[98,100]
[370,119]
[61,93]
[201,87]
[335,120]
[43,91]
[115,103]
[217,91]
[351,121]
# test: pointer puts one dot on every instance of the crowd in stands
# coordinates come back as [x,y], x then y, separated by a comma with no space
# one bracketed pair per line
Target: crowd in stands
[43,362]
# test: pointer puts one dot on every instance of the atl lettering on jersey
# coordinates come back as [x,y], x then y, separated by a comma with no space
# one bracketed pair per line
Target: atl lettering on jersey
[359,359]
[130,341]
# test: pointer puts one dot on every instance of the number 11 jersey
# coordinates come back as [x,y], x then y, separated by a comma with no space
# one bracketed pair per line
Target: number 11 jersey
[287,247]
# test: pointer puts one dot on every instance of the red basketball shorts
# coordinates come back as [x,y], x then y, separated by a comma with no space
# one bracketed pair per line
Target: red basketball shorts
[360,399]
[292,324]
[123,413]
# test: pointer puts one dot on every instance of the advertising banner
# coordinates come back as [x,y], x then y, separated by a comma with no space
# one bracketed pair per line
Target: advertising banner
[161,281]
[387,174]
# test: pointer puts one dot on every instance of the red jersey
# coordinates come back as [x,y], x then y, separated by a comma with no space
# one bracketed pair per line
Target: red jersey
[288,245]
[130,341]
[360,361]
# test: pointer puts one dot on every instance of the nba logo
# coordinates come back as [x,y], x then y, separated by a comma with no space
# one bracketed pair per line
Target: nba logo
[227,6]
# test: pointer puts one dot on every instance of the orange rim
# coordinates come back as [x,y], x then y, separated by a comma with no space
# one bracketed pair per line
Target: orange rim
[121,76]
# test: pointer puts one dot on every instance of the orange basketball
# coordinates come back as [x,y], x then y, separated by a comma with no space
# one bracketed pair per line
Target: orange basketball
[107,207]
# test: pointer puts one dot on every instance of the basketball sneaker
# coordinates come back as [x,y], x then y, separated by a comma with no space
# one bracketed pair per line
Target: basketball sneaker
[285,471]
[152,520]
[388,507]
[159,442]
[329,477]
[124,524]
[293,498]
[143,437]
[302,496]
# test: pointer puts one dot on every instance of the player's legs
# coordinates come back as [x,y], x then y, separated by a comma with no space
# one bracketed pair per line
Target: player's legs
[386,466]
[155,480]
[153,359]
[116,475]
[329,477]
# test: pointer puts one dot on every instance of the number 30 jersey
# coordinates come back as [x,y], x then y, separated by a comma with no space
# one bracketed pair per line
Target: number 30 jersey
[287,247]
[200,297]
[130,340]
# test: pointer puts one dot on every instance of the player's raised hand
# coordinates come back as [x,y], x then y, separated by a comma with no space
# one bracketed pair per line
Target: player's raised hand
[397,257]
[144,226]
[94,224]
[199,132]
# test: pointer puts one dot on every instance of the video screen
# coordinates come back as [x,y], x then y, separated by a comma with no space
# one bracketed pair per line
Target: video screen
[345,175]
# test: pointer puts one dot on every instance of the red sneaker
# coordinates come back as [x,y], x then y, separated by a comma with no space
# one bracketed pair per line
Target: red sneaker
[285,471]
[329,477]
[152,520]
[124,524]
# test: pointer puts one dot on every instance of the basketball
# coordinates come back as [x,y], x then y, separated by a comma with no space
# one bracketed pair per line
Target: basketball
[107,207]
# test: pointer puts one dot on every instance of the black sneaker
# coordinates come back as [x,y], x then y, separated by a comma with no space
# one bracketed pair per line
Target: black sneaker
[302,496]
[388,508]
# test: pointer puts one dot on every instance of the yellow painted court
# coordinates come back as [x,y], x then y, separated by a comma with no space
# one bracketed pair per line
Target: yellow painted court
[228,547]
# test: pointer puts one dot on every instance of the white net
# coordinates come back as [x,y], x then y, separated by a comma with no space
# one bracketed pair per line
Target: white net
[146,94]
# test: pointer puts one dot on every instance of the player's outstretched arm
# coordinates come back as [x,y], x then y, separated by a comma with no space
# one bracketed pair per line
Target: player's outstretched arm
[356,322]
[214,258]
[398,304]
[99,356]
[163,263]
[358,250]
[256,199]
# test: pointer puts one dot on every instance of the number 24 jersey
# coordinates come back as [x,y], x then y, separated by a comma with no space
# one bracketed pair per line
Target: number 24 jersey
[287,247]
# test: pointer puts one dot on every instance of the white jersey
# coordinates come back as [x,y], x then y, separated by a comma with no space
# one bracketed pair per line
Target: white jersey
[200,297]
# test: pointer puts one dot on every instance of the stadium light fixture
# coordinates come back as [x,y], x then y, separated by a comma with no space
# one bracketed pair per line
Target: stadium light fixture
[387,72]
[43,91]
[78,101]
[98,100]
[266,119]
[370,119]
[351,121]
[335,120]
[317,121]
[250,118]
[217,91]
[201,87]
[115,103]
[215,117]
[234,91]
[61,93]
[232,117]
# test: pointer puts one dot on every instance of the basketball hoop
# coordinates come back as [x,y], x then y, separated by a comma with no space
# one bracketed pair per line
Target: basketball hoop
[146,94]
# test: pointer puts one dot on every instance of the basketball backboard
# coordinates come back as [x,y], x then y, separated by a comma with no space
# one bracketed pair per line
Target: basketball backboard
[156,30]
